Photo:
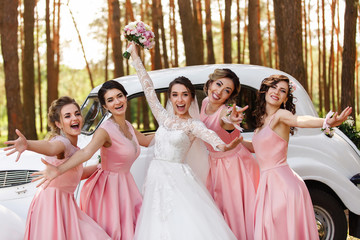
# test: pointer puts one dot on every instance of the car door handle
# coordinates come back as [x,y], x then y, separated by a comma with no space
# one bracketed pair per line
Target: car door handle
[19,191]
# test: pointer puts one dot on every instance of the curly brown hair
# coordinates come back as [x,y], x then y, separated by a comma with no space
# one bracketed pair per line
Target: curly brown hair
[260,109]
[54,113]
[224,73]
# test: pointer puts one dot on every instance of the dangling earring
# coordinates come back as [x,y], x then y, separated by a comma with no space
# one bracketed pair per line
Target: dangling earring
[62,133]
[284,105]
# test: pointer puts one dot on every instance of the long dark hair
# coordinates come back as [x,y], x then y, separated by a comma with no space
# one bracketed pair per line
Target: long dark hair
[260,109]
[224,73]
[183,81]
[111,84]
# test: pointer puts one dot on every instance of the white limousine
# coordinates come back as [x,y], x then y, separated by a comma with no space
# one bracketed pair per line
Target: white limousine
[330,167]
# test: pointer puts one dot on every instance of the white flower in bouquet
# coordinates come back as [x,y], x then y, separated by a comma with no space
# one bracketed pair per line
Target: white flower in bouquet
[139,33]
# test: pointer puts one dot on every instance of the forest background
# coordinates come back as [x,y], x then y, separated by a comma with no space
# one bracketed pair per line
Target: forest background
[52,48]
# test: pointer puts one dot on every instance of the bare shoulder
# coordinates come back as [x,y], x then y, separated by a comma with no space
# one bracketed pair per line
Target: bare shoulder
[284,114]
[101,135]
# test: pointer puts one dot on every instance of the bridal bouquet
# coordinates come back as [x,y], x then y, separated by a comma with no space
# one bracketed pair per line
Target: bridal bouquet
[139,33]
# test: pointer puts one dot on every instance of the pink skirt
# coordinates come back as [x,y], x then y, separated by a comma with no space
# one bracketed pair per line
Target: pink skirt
[232,181]
[283,208]
[113,200]
[54,214]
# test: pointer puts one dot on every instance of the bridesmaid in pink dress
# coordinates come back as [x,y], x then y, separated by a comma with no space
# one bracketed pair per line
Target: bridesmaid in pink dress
[234,175]
[110,196]
[54,213]
[283,208]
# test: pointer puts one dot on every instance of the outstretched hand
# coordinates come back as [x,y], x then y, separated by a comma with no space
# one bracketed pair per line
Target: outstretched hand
[232,145]
[336,119]
[19,145]
[47,175]
[237,114]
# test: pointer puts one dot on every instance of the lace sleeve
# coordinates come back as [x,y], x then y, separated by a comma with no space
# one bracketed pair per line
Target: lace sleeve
[199,130]
[157,109]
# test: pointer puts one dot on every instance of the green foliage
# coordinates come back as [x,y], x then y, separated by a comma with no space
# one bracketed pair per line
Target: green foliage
[350,131]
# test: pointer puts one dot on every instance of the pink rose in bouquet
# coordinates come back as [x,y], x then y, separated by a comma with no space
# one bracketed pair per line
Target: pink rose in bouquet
[139,33]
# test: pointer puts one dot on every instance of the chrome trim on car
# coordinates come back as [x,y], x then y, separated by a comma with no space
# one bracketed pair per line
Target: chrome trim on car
[15,177]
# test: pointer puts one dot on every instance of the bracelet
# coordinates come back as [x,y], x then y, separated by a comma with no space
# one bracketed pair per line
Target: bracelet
[328,131]
[227,120]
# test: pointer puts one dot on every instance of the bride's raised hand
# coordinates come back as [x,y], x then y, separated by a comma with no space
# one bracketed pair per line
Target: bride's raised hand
[132,50]
[232,145]
[336,119]
[19,145]
[47,175]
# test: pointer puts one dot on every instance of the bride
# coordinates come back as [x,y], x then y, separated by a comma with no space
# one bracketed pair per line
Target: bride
[176,205]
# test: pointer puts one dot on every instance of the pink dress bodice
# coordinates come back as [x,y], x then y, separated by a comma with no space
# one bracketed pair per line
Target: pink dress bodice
[122,153]
[269,155]
[70,179]
[213,122]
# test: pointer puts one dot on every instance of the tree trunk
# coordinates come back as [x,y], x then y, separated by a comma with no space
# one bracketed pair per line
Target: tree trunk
[107,51]
[209,37]
[311,85]
[163,37]
[338,56]
[348,67]
[305,42]
[115,32]
[325,78]
[331,57]
[56,42]
[187,25]
[28,88]
[289,37]
[198,37]
[37,43]
[156,60]
[52,88]
[245,33]
[9,44]
[269,32]
[129,10]
[254,30]
[319,61]
[173,34]
[238,36]
[221,26]
[227,32]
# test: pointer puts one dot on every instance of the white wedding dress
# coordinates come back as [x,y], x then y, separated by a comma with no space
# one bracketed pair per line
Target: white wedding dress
[176,204]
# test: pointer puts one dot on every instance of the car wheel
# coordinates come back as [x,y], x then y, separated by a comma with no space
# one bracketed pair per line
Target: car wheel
[330,216]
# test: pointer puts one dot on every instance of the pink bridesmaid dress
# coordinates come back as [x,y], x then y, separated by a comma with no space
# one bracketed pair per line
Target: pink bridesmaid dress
[54,213]
[110,196]
[283,208]
[232,179]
